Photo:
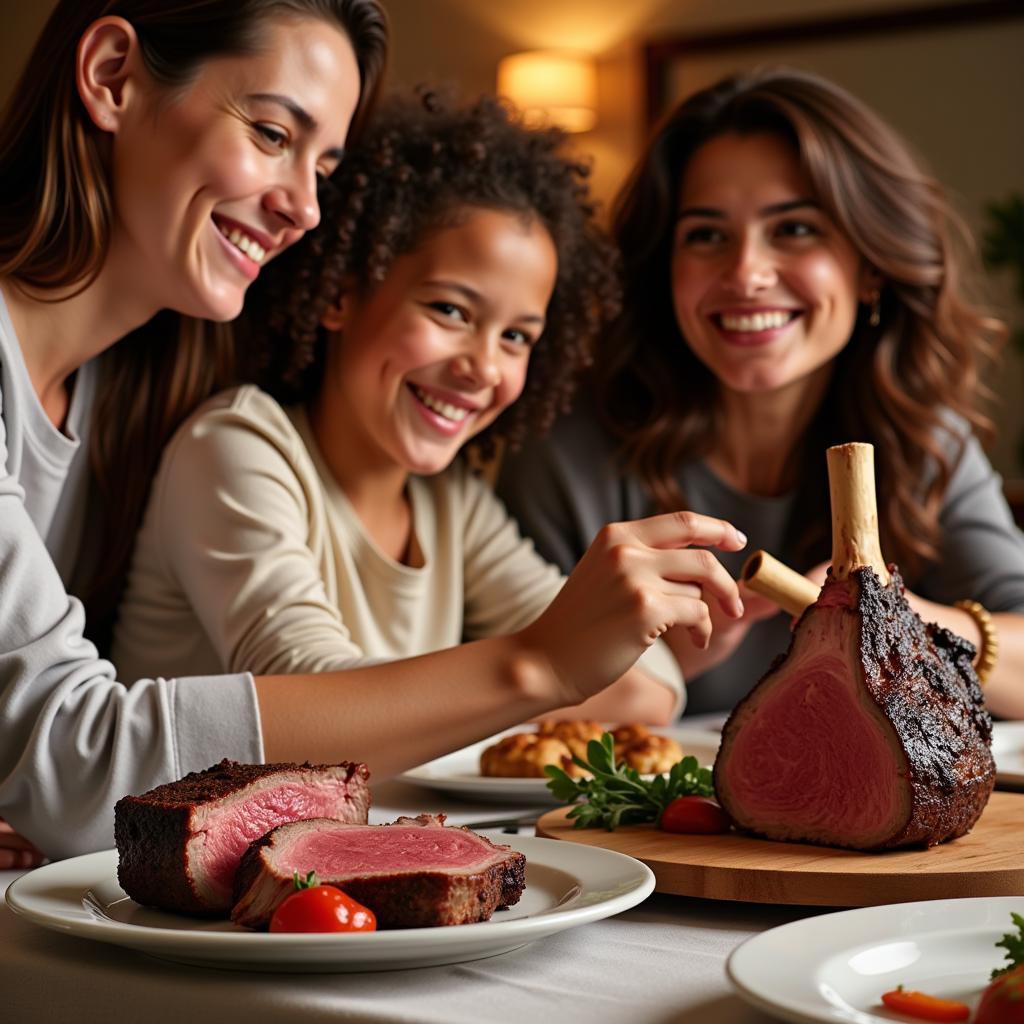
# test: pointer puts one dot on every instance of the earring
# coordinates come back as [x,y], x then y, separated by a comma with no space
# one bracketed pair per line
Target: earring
[875,317]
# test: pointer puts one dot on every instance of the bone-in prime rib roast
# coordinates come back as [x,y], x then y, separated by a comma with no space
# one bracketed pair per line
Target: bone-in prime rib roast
[179,844]
[870,732]
[415,873]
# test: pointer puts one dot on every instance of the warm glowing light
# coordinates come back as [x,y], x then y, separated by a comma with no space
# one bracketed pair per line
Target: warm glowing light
[551,87]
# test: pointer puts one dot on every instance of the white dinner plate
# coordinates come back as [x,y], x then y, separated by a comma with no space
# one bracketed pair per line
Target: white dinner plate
[459,772]
[566,885]
[834,968]
[1008,750]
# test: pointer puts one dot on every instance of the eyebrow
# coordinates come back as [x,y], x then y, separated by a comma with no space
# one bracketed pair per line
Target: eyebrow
[305,119]
[765,211]
[472,295]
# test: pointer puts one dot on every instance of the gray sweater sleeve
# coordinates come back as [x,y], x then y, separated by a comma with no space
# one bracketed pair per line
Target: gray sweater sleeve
[73,739]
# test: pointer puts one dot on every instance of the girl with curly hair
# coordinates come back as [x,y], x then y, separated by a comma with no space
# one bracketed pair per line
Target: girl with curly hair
[154,155]
[791,283]
[451,292]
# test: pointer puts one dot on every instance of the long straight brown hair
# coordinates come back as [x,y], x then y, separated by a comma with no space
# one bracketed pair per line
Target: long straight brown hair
[55,225]
[895,384]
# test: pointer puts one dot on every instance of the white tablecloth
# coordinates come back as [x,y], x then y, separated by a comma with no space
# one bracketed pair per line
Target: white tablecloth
[662,962]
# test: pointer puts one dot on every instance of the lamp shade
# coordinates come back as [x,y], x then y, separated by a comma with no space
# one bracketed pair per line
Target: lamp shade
[551,86]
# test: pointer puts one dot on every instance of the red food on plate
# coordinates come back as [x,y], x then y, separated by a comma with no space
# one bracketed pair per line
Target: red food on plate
[695,814]
[321,908]
[921,1006]
[1003,1001]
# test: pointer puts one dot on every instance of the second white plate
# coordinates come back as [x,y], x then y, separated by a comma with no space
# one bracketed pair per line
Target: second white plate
[459,772]
[834,968]
[566,886]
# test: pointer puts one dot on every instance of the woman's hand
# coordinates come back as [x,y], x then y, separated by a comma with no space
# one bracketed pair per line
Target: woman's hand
[16,851]
[635,582]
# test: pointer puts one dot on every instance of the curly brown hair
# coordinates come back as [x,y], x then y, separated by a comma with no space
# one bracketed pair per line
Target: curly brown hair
[894,384]
[421,163]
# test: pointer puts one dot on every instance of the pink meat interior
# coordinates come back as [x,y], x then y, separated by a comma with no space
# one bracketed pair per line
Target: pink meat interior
[224,831]
[393,849]
[816,758]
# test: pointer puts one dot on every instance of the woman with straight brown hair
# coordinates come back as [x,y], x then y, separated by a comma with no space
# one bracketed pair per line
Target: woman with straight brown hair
[195,133]
[793,280]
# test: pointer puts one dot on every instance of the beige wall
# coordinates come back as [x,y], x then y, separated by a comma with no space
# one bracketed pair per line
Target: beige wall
[955,93]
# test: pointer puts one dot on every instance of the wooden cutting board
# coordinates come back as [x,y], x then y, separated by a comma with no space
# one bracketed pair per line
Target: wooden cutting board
[989,861]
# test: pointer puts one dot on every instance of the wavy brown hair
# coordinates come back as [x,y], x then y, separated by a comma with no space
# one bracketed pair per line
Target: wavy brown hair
[55,223]
[901,386]
[422,162]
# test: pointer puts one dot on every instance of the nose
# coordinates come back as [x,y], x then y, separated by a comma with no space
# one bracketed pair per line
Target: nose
[751,267]
[294,200]
[477,365]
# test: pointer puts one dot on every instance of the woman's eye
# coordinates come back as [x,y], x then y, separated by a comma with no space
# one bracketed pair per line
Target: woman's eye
[274,136]
[796,229]
[702,235]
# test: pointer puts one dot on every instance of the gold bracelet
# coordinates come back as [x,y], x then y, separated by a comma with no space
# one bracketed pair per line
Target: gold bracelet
[989,649]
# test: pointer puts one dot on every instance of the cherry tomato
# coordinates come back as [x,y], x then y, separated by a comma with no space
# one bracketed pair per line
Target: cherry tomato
[694,814]
[925,1007]
[1003,1001]
[322,908]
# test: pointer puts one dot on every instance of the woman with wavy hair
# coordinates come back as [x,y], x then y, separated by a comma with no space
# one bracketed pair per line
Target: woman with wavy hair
[153,156]
[793,280]
[329,522]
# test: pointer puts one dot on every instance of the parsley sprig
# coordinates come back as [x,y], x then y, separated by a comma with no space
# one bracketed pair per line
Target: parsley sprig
[617,795]
[1013,943]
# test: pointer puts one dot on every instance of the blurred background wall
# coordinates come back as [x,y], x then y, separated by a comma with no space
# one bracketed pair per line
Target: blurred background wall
[954,90]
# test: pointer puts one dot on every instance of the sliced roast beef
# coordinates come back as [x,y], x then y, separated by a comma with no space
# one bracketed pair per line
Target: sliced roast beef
[871,731]
[179,844]
[415,873]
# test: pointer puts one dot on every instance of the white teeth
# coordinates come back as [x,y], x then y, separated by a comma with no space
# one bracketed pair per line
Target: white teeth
[450,412]
[756,321]
[244,243]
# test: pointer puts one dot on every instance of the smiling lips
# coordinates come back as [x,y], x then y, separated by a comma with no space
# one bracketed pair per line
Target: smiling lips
[753,327]
[445,415]
[243,240]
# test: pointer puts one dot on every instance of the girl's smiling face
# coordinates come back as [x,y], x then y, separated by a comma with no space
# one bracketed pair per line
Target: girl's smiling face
[213,179]
[765,286]
[432,355]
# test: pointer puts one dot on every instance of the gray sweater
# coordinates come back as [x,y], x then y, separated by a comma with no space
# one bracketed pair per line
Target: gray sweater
[565,487]
[73,739]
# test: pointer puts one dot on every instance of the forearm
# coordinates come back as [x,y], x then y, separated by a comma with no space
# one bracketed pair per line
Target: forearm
[635,697]
[399,714]
[1004,688]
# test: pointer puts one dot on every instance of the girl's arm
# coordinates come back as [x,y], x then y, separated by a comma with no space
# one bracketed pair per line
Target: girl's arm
[636,581]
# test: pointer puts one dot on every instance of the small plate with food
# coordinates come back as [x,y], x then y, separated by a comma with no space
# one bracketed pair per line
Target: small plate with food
[931,960]
[509,767]
[565,887]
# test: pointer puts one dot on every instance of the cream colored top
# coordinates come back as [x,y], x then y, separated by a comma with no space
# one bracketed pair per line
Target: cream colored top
[251,557]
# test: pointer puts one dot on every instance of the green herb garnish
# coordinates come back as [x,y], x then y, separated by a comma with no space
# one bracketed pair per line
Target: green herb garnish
[1013,943]
[617,795]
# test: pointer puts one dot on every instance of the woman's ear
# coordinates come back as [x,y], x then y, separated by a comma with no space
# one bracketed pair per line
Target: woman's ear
[870,283]
[108,53]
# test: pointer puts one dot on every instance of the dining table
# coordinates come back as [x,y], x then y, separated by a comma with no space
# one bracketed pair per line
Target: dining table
[661,962]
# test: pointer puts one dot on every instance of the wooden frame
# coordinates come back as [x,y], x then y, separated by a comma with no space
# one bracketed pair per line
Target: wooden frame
[661,53]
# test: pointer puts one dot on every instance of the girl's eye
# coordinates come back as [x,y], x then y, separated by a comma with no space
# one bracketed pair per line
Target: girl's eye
[450,311]
[274,136]
[519,337]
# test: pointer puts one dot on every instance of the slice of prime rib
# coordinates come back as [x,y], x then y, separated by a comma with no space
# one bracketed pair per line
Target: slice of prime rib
[870,732]
[415,873]
[179,844]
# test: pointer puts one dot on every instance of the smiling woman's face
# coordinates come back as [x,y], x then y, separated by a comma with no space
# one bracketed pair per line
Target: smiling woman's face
[212,180]
[765,285]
